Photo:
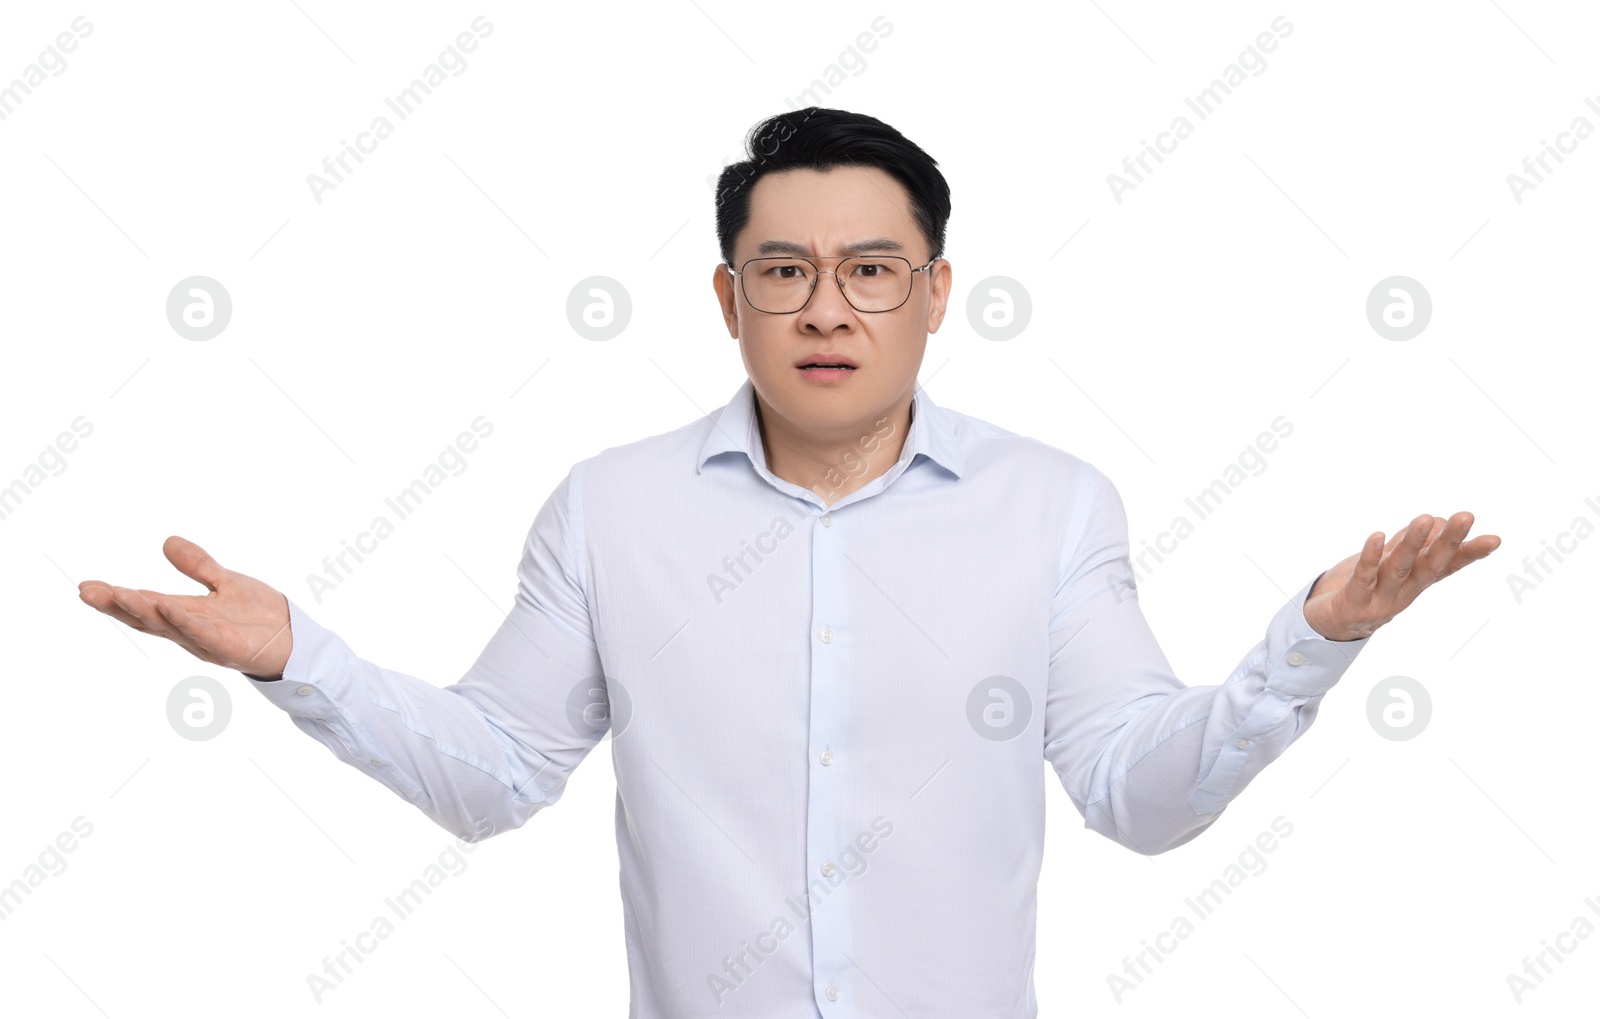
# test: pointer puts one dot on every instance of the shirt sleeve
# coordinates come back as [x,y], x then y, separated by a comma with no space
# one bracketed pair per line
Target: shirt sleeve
[484,754]
[1148,761]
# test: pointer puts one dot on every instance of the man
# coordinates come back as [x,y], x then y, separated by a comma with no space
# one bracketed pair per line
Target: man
[833,628]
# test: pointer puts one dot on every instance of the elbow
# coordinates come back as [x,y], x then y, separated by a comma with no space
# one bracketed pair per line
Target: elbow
[477,821]
[1173,839]
[474,837]
[1152,837]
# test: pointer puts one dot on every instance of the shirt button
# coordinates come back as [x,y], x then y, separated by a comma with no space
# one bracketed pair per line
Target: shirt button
[302,691]
[375,763]
[1242,744]
[1296,658]
[828,869]
[826,635]
[826,757]
[832,992]
[827,519]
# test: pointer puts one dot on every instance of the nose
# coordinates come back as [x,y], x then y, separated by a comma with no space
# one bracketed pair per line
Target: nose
[827,309]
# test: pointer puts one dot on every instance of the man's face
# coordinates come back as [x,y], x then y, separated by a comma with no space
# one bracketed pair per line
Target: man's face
[823,216]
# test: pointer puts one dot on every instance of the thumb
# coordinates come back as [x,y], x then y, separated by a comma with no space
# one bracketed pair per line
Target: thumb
[193,561]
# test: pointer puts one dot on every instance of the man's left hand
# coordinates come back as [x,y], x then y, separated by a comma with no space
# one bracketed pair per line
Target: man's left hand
[1368,589]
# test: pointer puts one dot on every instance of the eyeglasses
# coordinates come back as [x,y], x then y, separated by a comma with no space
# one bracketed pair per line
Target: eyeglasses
[870,283]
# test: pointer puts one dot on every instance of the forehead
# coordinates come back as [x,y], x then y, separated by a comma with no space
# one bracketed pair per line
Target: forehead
[824,211]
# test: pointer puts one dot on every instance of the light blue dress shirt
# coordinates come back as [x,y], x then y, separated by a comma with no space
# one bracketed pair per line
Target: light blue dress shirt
[826,722]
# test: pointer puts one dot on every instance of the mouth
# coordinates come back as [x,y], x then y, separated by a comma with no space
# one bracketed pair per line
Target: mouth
[826,373]
[827,365]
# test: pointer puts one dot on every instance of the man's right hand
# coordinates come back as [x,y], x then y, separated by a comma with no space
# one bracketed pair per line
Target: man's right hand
[241,624]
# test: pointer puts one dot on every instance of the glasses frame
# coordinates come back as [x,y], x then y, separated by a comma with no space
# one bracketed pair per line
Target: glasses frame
[820,272]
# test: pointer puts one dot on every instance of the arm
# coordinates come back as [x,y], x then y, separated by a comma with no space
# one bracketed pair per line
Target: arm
[484,754]
[1148,761]
[480,756]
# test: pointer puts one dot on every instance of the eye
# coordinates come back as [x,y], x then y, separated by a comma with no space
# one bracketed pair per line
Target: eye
[871,270]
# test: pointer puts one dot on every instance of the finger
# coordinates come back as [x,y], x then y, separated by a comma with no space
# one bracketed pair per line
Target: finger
[1364,576]
[194,649]
[1472,551]
[1482,545]
[1399,563]
[99,595]
[1431,528]
[1438,559]
[1439,524]
[139,606]
[193,561]
[1394,540]
[200,638]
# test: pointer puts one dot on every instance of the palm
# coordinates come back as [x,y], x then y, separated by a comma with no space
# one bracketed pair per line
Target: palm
[1364,591]
[240,623]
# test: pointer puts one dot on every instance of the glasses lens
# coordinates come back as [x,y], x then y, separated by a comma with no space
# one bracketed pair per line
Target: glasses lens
[783,285]
[778,285]
[875,282]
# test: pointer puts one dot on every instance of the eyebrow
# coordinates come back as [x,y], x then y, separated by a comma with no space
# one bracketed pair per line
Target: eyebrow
[873,244]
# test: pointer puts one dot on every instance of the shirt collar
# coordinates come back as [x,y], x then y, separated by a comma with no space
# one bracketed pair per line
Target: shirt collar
[734,431]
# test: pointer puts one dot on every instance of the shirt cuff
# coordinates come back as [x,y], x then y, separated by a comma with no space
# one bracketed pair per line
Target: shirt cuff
[1300,661]
[319,671]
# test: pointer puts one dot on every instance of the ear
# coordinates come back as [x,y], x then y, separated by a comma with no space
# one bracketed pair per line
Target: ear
[723,283]
[939,293]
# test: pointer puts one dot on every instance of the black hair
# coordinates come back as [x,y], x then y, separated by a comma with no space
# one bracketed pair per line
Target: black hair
[821,139]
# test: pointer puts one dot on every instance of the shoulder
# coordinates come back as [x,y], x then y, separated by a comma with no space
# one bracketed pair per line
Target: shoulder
[628,468]
[1023,460]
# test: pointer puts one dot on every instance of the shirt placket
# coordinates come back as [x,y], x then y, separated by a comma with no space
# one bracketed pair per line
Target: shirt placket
[827,891]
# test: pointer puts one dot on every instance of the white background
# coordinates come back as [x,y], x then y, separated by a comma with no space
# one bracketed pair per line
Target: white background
[368,330]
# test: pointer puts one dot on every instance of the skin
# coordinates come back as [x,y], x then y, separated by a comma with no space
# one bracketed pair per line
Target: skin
[1363,591]
[809,430]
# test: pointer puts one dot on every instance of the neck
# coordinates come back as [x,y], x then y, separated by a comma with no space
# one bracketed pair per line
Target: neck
[835,464]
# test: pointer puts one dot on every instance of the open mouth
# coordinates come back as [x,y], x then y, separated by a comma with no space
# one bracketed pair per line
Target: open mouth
[827,364]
